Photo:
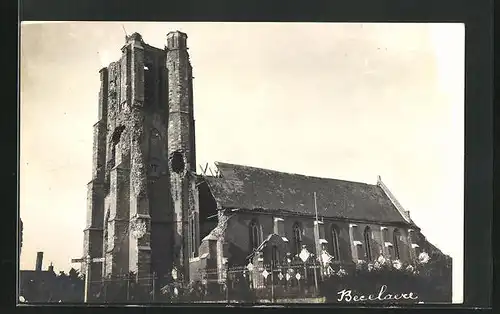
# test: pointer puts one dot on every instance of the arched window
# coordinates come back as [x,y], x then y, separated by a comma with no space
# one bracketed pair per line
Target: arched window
[115,140]
[368,249]
[335,243]
[275,255]
[395,239]
[412,243]
[385,235]
[297,237]
[254,235]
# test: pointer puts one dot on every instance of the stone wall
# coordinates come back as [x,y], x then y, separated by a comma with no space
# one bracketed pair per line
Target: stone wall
[93,233]
[181,157]
[129,198]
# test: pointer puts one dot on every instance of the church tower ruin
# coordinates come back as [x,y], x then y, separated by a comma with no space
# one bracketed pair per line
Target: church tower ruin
[142,201]
[181,150]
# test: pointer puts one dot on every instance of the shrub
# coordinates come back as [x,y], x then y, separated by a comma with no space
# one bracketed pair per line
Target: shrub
[429,280]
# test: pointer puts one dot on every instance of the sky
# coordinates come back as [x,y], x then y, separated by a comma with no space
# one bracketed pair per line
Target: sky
[347,101]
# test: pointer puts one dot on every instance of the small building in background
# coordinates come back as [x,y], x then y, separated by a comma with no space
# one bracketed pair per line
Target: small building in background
[38,285]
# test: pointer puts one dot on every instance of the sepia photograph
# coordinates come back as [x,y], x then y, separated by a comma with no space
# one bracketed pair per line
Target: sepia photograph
[241,163]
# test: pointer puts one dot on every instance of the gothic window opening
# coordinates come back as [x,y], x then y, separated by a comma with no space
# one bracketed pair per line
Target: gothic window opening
[412,244]
[297,237]
[254,236]
[368,249]
[115,140]
[275,257]
[385,235]
[112,90]
[417,250]
[396,234]
[335,243]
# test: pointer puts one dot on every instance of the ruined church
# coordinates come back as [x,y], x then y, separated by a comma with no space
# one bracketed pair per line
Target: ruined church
[149,211]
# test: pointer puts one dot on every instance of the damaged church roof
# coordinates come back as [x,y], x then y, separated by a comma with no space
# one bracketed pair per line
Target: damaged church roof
[263,189]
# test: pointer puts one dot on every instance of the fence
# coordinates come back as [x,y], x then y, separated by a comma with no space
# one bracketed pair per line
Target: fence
[129,289]
[268,283]
[291,282]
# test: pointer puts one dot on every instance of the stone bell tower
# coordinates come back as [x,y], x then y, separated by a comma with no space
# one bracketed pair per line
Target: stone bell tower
[181,152]
[142,200]
[129,205]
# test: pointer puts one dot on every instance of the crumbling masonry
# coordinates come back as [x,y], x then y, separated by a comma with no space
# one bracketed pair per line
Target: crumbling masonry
[142,193]
[149,212]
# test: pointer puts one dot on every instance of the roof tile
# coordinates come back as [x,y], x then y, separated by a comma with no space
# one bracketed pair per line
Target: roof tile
[256,188]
